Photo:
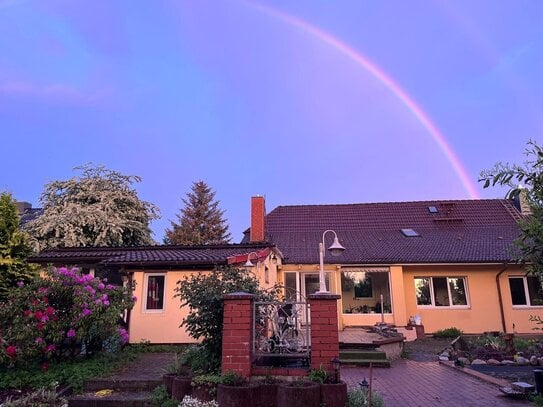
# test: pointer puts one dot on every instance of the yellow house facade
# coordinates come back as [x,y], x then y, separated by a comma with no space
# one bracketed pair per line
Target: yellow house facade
[439,263]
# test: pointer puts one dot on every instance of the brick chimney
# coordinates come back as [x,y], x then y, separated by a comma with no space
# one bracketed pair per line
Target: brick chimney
[521,202]
[258,219]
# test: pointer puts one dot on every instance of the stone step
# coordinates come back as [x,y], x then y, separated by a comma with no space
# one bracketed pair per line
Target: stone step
[115,399]
[360,354]
[120,384]
[365,362]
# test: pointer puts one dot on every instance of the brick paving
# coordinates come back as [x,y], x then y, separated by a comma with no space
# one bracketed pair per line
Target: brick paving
[426,384]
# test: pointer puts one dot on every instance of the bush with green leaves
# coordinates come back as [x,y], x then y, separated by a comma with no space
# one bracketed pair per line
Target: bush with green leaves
[359,398]
[448,333]
[61,315]
[203,294]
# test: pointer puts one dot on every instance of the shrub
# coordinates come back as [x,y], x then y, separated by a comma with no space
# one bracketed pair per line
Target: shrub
[161,398]
[231,378]
[59,316]
[448,333]
[319,375]
[203,294]
[359,398]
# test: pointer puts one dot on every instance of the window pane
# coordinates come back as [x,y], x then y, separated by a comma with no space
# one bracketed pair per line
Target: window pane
[518,296]
[290,286]
[441,293]
[422,290]
[534,291]
[458,291]
[155,292]
[362,290]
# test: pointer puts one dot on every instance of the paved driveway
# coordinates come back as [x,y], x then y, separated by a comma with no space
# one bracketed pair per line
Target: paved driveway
[426,384]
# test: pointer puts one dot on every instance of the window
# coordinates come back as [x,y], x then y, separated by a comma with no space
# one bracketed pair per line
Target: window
[410,233]
[155,292]
[441,291]
[432,209]
[526,291]
[365,290]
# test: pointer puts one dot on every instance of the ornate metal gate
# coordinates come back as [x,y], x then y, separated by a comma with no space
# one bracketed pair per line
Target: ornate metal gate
[278,331]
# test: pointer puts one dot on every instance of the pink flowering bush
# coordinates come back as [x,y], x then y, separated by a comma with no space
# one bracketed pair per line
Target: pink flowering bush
[61,315]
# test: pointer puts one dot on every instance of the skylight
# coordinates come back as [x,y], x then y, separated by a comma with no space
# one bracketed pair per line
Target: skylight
[432,209]
[410,232]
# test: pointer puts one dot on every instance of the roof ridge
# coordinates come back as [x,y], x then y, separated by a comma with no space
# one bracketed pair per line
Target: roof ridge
[392,202]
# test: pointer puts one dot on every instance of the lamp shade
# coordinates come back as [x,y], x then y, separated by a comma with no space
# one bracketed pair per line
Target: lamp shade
[336,248]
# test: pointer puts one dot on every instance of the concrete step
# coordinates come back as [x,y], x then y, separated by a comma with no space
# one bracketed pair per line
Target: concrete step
[120,384]
[360,354]
[365,362]
[115,399]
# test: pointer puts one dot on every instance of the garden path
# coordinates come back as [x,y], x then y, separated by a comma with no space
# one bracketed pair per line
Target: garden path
[411,383]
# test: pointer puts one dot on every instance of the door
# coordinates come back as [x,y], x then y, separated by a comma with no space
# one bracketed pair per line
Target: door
[310,285]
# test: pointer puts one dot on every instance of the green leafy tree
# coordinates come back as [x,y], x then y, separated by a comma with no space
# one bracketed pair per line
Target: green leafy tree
[203,294]
[200,221]
[14,247]
[97,208]
[530,174]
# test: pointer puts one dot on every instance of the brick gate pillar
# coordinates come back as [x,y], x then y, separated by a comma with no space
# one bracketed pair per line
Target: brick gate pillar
[324,330]
[237,336]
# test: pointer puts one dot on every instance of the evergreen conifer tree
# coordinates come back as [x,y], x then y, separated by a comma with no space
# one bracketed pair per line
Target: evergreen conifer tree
[200,221]
[14,247]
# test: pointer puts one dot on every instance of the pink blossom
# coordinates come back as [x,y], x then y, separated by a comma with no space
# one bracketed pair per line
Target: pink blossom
[11,351]
[38,340]
[28,313]
[20,283]
[86,312]
[50,310]
[50,348]
[101,286]
[106,303]
[71,333]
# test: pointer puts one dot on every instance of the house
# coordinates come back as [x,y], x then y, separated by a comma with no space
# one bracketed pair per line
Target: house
[450,263]
[155,271]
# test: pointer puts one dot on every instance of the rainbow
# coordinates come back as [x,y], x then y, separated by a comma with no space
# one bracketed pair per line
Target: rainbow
[386,80]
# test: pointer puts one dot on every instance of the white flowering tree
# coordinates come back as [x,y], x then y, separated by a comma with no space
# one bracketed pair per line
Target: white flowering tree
[97,208]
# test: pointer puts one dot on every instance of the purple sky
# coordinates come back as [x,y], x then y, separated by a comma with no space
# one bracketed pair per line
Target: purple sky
[305,102]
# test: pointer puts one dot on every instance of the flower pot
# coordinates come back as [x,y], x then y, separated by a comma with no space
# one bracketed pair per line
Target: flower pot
[204,393]
[299,394]
[334,394]
[266,395]
[236,396]
[167,379]
[181,387]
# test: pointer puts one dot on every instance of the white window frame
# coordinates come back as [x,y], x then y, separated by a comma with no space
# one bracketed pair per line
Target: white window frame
[432,295]
[526,293]
[145,292]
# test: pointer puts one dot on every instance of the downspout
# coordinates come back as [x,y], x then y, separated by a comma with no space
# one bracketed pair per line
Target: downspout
[505,266]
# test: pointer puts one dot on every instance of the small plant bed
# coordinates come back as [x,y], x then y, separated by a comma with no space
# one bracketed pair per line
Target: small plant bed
[502,356]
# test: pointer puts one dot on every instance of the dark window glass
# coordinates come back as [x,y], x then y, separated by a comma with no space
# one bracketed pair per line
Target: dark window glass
[518,296]
[422,288]
[290,286]
[441,293]
[155,292]
[458,291]
[534,291]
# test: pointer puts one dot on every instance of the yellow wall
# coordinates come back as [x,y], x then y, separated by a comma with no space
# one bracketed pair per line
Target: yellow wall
[519,316]
[483,313]
[162,326]
[158,326]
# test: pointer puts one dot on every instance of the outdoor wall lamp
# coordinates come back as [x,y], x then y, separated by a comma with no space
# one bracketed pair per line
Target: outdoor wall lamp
[249,263]
[335,249]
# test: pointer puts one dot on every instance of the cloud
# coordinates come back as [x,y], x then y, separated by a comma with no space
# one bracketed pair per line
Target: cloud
[57,93]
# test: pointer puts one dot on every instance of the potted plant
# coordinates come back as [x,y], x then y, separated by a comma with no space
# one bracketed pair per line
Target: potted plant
[177,379]
[266,395]
[204,387]
[235,391]
[333,390]
[298,393]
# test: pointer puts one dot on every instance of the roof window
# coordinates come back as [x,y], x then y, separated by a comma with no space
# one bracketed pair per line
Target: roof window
[432,209]
[410,232]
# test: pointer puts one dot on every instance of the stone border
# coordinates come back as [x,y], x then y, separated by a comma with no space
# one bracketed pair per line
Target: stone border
[474,373]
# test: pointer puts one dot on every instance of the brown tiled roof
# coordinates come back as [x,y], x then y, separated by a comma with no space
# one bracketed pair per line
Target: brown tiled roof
[155,256]
[461,231]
